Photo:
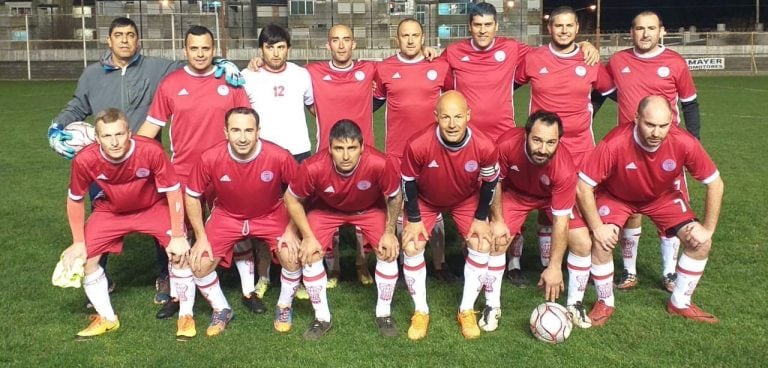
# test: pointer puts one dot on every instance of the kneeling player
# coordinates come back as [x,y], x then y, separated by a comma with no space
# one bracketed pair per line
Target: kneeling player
[141,194]
[348,184]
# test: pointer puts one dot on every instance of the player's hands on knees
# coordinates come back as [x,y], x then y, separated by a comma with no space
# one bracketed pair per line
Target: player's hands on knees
[501,235]
[606,236]
[74,254]
[388,248]
[482,230]
[178,250]
[551,281]
[309,247]
[591,53]
[413,231]
[198,251]
[289,242]
[255,64]
[695,235]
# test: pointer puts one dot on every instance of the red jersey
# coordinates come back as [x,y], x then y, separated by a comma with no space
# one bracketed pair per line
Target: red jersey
[343,94]
[196,104]
[411,89]
[365,187]
[136,182]
[663,72]
[556,180]
[244,189]
[486,79]
[448,175]
[635,174]
[562,83]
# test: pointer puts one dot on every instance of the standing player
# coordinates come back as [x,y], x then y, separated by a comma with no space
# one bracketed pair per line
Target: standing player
[411,85]
[561,82]
[196,126]
[441,170]
[248,175]
[141,194]
[348,184]
[649,68]
[634,169]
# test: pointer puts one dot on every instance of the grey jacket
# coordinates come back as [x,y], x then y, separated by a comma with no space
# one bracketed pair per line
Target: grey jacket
[103,85]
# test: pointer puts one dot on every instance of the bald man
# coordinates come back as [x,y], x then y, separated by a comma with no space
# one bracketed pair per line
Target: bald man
[441,169]
[635,167]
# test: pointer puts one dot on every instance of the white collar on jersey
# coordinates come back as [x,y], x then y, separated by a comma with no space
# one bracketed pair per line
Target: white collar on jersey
[650,54]
[564,55]
[472,43]
[196,74]
[247,160]
[640,143]
[453,148]
[336,68]
[127,155]
[409,61]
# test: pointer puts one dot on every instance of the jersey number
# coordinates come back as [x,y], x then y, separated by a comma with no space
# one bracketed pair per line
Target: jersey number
[279,91]
[681,203]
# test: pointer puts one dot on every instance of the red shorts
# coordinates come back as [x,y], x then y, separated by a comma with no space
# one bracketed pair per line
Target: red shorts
[325,223]
[516,208]
[463,214]
[104,230]
[668,212]
[224,231]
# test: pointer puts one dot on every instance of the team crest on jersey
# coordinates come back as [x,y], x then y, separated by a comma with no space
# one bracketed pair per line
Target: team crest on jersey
[142,172]
[222,90]
[500,55]
[581,71]
[359,75]
[669,165]
[470,166]
[663,72]
[432,74]
[267,176]
[544,179]
[603,211]
[363,185]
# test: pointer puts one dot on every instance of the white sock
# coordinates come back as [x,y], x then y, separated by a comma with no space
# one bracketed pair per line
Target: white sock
[243,257]
[493,279]
[415,274]
[630,238]
[182,282]
[97,289]
[386,278]
[475,270]
[289,283]
[517,252]
[545,244]
[603,278]
[689,272]
[669,249]
[315,281]
[578,276]
[211,290]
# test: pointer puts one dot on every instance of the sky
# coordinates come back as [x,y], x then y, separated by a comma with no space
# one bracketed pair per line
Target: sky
[704,14]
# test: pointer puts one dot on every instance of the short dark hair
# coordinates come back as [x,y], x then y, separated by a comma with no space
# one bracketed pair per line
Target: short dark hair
[646,13]
[123,22]
[197,30]
[272,34]
[346,129]
[547,118]
[481,9]
[562,10]
[407,20]
[242,110]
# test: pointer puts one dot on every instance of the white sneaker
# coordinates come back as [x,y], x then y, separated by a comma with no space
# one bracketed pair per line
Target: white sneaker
[578,315]
[489,319]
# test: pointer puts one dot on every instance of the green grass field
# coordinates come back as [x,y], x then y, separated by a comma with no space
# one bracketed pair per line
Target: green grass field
[41,319]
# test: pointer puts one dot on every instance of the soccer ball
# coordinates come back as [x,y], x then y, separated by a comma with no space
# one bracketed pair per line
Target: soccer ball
[82,133]
[550,323]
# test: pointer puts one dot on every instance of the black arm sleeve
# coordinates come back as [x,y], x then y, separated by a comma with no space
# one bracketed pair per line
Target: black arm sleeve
[598,99]
[692,118]
[487,191]
[377,104]
[411,193]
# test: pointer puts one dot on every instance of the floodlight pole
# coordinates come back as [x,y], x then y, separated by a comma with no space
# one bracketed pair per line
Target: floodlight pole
[597,28]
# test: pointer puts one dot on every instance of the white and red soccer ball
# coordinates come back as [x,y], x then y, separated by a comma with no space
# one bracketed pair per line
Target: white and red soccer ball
[82,133]
[550,323]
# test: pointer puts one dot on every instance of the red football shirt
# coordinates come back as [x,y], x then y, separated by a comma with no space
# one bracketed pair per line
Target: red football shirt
[446,175]
[556,180]
[635,174]
[343,94]
[663,72]
[196,104]
[133,183]
[245,189]
[365,187]
[486,79]
[562,83]
[411,89]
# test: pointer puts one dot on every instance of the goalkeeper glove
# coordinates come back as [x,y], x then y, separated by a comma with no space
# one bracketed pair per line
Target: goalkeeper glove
[229,70]
[57,139]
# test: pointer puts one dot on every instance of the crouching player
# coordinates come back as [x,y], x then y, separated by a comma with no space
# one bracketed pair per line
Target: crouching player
[348,184]
[141,194]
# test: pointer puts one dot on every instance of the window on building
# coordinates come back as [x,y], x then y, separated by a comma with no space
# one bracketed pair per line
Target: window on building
[452,8]
[302,7]
[452,31]
[401,7]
